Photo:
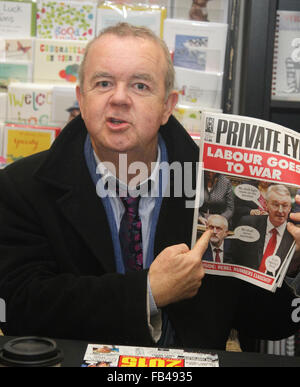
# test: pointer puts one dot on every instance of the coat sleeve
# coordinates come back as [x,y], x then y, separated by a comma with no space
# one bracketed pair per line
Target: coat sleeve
[47,297]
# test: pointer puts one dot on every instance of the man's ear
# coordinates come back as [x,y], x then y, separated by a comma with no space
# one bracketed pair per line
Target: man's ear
[169,106]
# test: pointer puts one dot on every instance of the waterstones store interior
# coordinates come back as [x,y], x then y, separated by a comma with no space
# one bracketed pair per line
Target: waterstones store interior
[236,62]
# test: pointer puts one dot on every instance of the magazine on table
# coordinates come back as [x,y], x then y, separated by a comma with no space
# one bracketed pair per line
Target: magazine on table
[247,184]
[101,355]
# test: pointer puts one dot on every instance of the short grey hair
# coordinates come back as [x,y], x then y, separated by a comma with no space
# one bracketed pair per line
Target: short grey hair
[220,217]
[126,30]
[279,189]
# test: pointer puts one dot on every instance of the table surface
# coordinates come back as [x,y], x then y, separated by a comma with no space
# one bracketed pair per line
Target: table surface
[74,353]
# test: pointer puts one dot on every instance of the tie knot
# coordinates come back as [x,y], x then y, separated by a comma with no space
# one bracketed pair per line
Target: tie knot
[131,203]
[274,231]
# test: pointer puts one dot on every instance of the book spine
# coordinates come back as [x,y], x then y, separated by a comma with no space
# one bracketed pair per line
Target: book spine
[275,56]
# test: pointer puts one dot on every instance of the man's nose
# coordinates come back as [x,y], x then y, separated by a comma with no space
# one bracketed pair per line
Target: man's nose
[120,95]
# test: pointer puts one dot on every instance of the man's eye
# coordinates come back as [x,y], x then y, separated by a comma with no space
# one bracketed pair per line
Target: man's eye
[103,84]
[141,86]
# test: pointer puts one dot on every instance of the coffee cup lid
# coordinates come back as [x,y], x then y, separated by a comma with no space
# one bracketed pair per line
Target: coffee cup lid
[30,351]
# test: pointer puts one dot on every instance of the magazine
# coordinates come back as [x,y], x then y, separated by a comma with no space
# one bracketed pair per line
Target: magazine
[101,355]
[246,191]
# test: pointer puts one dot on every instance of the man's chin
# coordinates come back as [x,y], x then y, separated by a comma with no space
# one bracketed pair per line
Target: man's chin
[278,222]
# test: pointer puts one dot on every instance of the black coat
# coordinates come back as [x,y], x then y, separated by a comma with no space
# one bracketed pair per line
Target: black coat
[57,270]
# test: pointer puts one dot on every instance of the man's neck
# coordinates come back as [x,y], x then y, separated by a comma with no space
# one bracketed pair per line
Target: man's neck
[133,165]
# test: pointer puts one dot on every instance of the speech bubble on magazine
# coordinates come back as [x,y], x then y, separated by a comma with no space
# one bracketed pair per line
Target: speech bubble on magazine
[245,234]
[248,192]
[272,264]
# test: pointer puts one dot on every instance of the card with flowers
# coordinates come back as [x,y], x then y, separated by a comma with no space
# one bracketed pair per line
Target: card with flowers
[68,20]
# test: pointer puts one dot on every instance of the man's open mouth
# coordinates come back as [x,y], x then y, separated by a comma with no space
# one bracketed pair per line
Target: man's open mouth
[116,121]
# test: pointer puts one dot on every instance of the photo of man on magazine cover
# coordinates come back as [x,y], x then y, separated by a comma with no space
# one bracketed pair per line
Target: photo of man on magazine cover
[274,239]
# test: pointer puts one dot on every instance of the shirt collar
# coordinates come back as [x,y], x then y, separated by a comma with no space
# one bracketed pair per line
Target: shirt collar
[221,248]
[280,229]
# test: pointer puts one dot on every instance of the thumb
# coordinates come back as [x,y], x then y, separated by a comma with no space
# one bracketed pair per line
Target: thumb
[202,243]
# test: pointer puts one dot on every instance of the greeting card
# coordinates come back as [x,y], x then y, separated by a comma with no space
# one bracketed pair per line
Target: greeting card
[17,49]
[29,103]
[57,61]
[17,18]
[21,141]
[68,20]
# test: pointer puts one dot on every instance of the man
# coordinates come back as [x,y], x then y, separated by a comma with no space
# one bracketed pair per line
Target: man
[73,111]
[218,247]
[64,268]
[274,237]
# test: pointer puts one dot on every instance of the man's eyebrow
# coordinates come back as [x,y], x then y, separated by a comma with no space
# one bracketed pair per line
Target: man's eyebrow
[143,77]
[138,76]
[101,74]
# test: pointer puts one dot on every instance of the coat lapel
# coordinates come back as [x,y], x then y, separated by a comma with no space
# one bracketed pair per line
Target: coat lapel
[285,245]
[84,210]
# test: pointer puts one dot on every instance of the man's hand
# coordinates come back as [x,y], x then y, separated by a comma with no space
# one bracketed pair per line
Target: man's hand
[177,272]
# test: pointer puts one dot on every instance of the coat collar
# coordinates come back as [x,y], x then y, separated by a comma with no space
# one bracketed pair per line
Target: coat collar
[65,164]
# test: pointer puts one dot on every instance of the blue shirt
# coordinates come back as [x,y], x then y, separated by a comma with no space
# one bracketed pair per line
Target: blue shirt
[146,203]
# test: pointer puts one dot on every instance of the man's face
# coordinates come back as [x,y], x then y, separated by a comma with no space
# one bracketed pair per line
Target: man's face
[123,98]
[279,207]
[219,231]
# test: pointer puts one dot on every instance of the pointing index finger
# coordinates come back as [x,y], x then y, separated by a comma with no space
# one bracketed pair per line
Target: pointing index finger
[202,243]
